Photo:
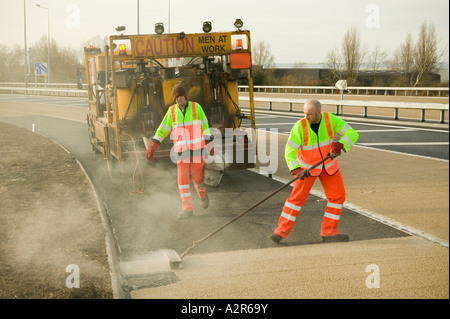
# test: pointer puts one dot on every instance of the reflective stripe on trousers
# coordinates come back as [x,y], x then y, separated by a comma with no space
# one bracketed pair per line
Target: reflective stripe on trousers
[195,167]
[335,193]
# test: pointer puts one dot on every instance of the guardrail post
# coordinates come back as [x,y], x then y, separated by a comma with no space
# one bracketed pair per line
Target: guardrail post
[442,116]
[337,109]
[290,107]
[270,106]
[365,111]
[396,113]
[423,116]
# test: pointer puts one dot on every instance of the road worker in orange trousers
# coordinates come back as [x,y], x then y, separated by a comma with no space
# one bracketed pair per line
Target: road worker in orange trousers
[311,140]
[188,124]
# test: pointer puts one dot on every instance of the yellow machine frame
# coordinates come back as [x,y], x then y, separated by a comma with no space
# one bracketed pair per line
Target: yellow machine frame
[131,80]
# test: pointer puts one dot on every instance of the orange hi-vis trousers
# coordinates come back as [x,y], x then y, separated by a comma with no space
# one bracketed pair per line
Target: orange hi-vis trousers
[335,193]
[194,166]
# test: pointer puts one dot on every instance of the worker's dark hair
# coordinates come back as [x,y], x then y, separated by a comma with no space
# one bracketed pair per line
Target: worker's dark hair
[177,90]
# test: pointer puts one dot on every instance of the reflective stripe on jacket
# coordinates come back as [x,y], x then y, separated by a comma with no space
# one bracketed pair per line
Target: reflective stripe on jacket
[187,129]
[304,147]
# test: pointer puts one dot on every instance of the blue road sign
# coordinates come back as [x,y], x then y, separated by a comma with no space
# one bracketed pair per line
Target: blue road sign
[40,68]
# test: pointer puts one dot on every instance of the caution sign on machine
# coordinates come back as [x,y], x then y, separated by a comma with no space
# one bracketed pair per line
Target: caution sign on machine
[203,44]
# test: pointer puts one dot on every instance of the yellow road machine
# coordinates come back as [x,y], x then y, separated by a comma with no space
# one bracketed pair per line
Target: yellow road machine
[129,84]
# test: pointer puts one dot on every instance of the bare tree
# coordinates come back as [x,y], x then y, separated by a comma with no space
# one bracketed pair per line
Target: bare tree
[12,63]
[97,41]
[334,65]
[427,55]
[403,60]
[261,55]
[348,62]
[262,59]
[377,59]
[418,60]
[64,60]
[352,54]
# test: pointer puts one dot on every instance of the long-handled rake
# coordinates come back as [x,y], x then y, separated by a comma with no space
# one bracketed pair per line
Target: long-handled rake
[249,209]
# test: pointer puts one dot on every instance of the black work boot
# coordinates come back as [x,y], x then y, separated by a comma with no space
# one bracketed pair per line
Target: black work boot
[275,238]
[205,202]
[335,238]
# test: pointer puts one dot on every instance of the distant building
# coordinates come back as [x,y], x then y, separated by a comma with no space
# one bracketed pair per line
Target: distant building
[443,72]
[320,74]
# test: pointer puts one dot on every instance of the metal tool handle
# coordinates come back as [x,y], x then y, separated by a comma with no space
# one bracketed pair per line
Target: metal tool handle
[251,208]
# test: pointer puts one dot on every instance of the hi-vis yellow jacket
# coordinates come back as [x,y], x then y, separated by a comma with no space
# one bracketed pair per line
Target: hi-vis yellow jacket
[188,129]
[305,148]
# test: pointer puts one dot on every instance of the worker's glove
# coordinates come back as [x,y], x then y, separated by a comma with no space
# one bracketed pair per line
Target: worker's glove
[336,148]
[301,173]
[210,150]
[153,147]
[209,141]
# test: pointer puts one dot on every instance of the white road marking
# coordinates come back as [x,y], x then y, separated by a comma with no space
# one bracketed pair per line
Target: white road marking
[404,143]
[390,130]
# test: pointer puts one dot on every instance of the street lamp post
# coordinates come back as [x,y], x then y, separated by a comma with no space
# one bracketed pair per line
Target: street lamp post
[48,41]
[25,41]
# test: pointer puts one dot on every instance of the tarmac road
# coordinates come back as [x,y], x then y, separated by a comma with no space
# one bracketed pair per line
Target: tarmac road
[411,193]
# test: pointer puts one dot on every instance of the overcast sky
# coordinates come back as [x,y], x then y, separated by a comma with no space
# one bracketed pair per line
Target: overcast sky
[298,31]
